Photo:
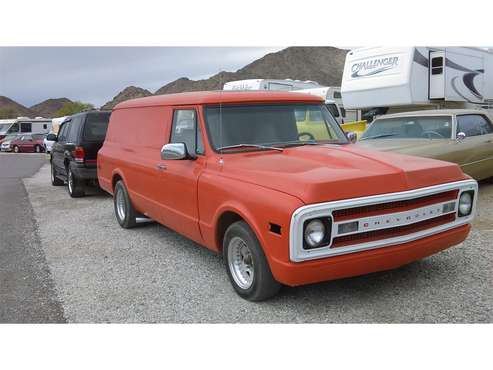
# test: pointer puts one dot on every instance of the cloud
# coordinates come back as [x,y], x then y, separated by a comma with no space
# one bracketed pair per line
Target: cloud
[30,75]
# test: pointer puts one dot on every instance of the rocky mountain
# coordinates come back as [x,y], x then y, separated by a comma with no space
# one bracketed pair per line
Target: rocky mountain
[48,107]
[11,109]
[321,64]
[130,92]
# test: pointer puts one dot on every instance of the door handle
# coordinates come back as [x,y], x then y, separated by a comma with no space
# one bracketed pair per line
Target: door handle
[161,167]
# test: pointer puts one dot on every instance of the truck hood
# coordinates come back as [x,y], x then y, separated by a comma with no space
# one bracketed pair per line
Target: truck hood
[324,173]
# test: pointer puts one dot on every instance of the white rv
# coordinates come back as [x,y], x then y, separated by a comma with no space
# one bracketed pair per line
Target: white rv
[24,124]
[412,78]
[270,84]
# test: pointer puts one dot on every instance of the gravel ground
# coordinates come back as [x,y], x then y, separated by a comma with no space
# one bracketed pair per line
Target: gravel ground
[104,273]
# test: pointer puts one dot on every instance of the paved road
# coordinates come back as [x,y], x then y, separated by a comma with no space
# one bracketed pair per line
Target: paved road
[27,293]
[152,274]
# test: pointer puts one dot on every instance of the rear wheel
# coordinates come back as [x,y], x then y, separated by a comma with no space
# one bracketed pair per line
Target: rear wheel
[16,149]
[75,186]
[37,149]
[246,265]
[55,181]
[124,210]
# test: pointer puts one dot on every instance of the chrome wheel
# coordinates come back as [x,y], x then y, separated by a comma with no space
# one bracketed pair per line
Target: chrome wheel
[37,149]
[240,262]
[120,205]
[52,173]
[70,181]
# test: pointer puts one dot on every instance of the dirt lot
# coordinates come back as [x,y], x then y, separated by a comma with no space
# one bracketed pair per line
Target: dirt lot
[103,273]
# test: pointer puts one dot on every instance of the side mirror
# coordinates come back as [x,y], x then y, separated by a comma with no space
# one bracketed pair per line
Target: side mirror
[460,137]
[174,151]
[352,137]
[51,137]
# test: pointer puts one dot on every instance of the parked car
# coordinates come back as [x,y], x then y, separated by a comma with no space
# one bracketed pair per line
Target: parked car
[5,142]
[28,143]
[462,136]
[48,141]
[74,153]
[233,172]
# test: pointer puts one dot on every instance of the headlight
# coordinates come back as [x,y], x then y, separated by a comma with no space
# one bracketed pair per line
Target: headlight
[465,203]
[316,233]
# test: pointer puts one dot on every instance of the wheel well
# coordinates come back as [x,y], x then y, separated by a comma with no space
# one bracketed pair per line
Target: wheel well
[115,179]
[225,220]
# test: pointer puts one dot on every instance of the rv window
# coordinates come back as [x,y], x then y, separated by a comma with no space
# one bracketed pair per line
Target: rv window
[14,128]
[343,112]
[337,95]
[474,125]
[26,126]
[45,126]
[437,62]
[437,71]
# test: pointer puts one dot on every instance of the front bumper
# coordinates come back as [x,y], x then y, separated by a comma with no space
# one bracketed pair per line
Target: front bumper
[360,263]
[5,149]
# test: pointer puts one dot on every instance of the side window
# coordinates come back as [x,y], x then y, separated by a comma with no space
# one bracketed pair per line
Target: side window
[13,128]
[62,137]
[72,136]
[185,130]
[26,126]
[474,125]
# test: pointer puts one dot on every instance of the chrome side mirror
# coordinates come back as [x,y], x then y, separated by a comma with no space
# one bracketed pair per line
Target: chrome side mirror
[174,151]
[352,137]
[460,137]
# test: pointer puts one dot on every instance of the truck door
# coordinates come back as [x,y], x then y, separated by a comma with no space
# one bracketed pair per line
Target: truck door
[436,72]
[179,178]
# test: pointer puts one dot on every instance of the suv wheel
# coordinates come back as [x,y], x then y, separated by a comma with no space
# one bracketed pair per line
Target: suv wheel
[75,187]
[55,181]
[246,264]
[124,210]
[16,149]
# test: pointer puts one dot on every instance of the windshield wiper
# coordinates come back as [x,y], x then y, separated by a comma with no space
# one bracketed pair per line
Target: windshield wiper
[237,146]
[378,136]
[296,143]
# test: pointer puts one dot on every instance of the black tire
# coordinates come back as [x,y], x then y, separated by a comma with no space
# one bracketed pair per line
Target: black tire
[37,149]
[16,149]
[263,285]
[55,181]
[127,217]
[75,186]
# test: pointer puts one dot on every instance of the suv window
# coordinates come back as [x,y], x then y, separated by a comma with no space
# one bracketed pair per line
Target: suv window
[95,126]
[185,130]
[62,136]
[474,125]
[72,136]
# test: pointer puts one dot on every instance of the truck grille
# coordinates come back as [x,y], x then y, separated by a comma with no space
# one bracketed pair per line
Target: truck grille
[380,220]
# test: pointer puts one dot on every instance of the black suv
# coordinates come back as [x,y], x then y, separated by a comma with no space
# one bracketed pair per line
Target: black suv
[74,152]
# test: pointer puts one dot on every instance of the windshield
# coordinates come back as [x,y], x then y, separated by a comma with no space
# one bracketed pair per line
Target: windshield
[271,125]
[429,127]
[4,127]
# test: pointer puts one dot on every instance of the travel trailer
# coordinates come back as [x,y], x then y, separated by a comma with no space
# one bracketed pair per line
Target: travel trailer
[270,84]
[395,79]
[24,124]
[56,122]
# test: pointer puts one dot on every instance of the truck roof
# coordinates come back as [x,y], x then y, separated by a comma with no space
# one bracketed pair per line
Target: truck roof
[216,97]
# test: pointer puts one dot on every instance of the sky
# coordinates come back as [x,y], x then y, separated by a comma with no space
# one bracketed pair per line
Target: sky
[95,75]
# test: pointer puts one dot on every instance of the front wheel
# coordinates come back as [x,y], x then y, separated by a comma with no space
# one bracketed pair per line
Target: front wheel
[246,264]
[16,149]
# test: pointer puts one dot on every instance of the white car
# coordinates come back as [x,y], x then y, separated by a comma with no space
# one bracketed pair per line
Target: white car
[48,141]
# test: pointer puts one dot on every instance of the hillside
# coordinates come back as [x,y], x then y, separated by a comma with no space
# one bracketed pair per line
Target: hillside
[321,64]
[130,92]
[12,109]
[48,107]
